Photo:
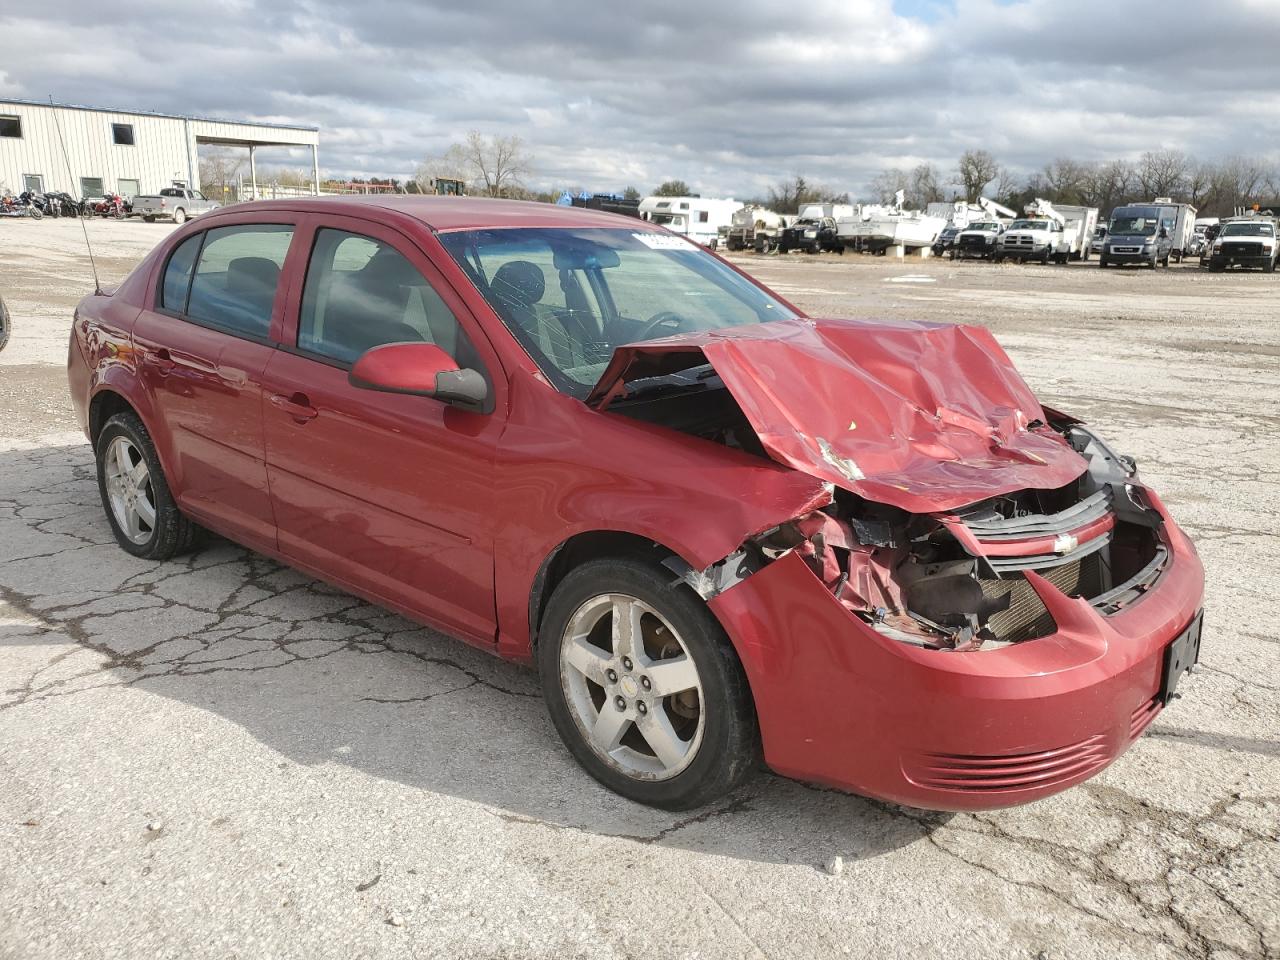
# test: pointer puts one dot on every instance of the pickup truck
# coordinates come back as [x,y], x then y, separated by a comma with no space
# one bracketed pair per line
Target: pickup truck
[172,203]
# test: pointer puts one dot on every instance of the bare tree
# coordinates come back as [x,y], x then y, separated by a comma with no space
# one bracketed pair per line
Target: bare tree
[926,185]
[1108,185]
[1067,180]
[1163,173]
[790,195]
[218,174]
[498,164]
[1006,184]
[976,169]
[451,165]
[887,183]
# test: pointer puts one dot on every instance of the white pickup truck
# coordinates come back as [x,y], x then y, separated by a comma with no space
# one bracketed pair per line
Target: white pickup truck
[172,203]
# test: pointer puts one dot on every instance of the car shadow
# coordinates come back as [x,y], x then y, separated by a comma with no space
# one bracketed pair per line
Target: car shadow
[327,680]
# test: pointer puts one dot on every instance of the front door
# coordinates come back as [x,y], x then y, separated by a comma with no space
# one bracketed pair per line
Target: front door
[202,350]
[390,493]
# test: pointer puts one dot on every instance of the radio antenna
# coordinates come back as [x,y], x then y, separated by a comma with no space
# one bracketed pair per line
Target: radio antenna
[66,158]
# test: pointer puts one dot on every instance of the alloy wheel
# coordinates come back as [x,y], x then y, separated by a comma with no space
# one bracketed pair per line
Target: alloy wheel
[129,490]
[632,688]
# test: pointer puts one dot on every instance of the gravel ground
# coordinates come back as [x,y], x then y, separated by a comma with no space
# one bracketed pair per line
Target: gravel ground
[221,758]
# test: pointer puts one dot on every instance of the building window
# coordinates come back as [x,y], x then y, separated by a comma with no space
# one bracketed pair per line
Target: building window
[33,183]
[122,134]
[91,187]
[127,188]
[10,126]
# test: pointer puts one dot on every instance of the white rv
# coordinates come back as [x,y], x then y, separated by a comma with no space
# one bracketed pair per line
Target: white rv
[698,218]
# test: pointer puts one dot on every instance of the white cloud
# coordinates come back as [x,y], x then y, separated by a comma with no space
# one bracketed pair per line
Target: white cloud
[730,95]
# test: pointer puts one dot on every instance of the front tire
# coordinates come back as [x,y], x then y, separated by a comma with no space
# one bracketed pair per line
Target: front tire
[135,495]
[644,687]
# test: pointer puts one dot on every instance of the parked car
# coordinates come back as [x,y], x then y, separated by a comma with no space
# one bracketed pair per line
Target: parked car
[172,203]
[1245,243]
[1099,241]
[946,240]
[721,529]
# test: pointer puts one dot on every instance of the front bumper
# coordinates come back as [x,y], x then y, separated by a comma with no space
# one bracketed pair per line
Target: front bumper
[842,705]
[1222,261]
[1128,255]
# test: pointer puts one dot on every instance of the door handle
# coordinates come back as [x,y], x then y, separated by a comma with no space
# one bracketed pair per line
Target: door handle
[162,361]
[296,405]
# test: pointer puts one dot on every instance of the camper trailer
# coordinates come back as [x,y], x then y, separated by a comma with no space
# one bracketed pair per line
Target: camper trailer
[698,218]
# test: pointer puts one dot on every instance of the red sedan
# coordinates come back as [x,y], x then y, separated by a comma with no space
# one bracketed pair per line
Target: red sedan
[723,530]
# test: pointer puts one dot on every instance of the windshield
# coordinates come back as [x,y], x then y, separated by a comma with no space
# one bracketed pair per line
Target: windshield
[1029,225]
[570,296]
[1142,225]
[1248,230]
[988,227]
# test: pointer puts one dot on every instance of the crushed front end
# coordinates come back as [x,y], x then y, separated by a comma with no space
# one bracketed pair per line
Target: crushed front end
[970,658]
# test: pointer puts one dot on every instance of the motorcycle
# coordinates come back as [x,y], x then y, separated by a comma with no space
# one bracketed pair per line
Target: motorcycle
[25,204]
[112,205]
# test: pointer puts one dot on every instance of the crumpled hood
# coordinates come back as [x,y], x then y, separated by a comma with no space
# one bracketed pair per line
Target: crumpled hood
[923,416]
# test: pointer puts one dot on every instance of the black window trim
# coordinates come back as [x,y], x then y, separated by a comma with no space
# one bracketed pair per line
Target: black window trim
[158,298]
[133,139]
[16,117]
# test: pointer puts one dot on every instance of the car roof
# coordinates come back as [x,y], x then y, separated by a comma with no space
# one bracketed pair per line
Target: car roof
[461,213]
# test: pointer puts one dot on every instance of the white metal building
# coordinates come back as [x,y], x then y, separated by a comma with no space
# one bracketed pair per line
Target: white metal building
[110,151]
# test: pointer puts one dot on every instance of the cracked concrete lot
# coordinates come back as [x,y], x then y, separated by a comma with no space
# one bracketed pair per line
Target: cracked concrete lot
[218,757]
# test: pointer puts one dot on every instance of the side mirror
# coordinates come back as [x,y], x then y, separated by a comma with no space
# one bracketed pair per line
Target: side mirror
[419,369]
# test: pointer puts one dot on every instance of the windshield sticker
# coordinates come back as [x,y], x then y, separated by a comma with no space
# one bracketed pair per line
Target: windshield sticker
[662,241]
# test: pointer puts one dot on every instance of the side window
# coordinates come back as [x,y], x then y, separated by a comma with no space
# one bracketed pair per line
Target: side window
[361,293]
[235,281]
[177,274]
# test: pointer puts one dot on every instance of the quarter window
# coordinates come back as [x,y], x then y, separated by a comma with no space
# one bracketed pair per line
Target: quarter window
[122,134]
[361,293]
[10,126]
[177,274]
[235,280]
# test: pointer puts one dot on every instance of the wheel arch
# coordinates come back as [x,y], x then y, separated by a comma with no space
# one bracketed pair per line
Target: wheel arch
[577,550]
[104,405]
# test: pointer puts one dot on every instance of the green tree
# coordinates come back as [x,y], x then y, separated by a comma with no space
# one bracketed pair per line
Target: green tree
[673,188]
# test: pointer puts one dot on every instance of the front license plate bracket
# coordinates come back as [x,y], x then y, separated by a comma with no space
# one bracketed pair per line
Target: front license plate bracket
[1179,657]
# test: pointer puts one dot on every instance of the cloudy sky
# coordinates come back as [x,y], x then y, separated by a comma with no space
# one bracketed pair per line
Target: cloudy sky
[729,95]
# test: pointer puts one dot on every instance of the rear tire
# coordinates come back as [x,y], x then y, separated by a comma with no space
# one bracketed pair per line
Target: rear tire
[674,627]
[135,495]
[149,219]
[180,217]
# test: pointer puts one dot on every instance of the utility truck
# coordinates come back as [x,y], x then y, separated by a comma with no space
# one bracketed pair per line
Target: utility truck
[979,237]
[1049,232]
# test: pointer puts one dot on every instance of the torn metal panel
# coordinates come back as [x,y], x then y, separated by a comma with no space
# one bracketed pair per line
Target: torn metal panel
[925,417]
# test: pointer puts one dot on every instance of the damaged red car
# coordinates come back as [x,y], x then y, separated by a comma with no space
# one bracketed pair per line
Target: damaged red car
[724,531]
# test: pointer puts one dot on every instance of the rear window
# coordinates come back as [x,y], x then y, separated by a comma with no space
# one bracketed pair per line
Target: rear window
[177,275]
[235,281]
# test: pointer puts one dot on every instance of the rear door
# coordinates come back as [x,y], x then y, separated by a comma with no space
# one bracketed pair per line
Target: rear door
[391,494]
[203,346]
